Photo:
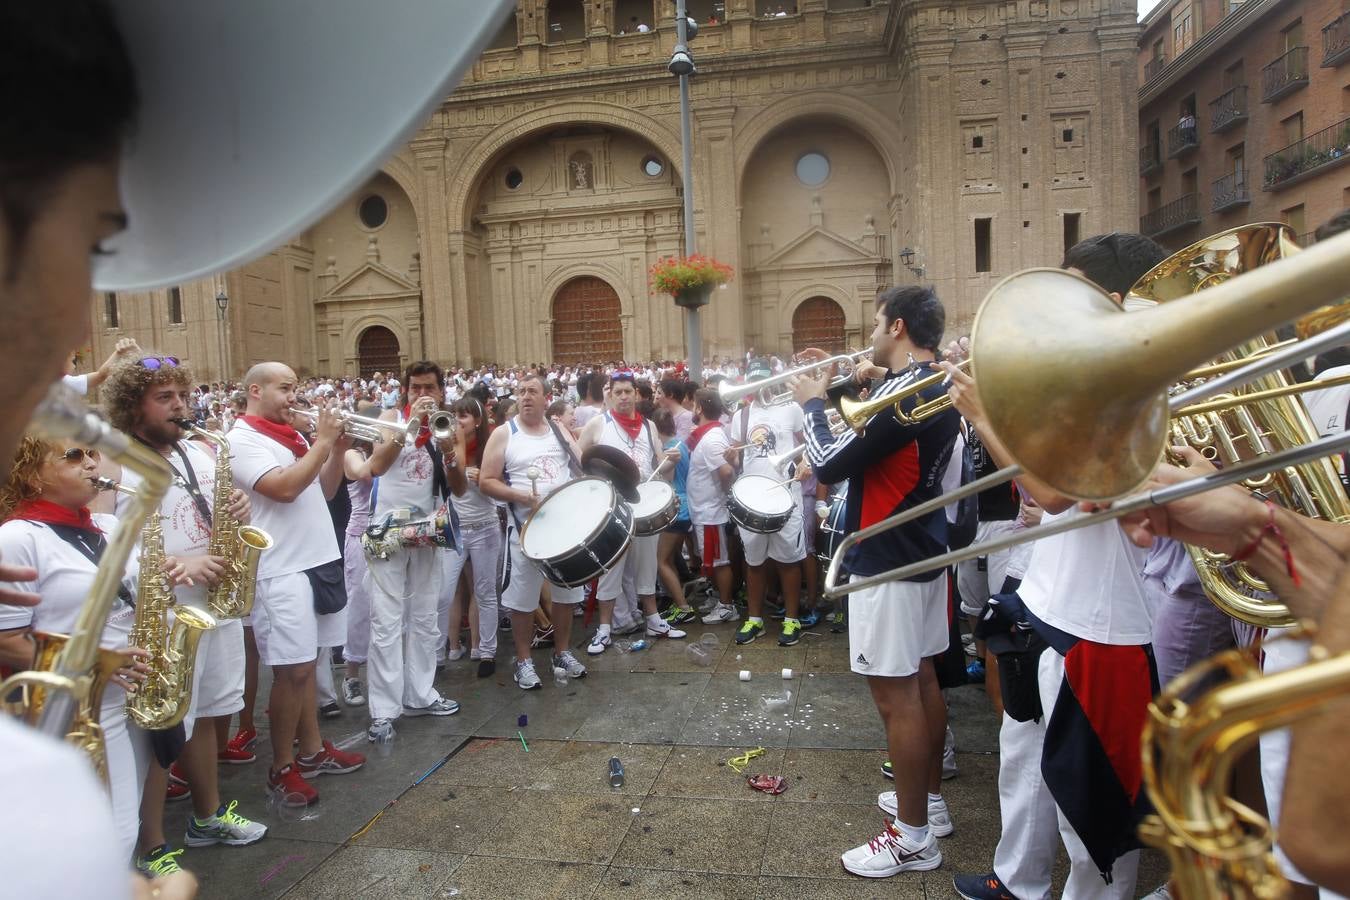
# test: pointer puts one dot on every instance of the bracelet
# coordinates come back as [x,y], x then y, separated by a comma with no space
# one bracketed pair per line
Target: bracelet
[1271,528]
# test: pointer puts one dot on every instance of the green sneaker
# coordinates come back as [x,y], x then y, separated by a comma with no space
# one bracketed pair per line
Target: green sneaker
[792,633]
[225,827]
[838,622]
[749,631]
[679,615]
[888,770]
[159,862]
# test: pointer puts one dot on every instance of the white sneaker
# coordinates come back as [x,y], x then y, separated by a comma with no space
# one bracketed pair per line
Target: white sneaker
[890,853]
[665,631]
[352,695]
[939,817]
[566,660]
[626,628]
[526,678]
[456,654]
[721,613]
[441,706]
[598,644]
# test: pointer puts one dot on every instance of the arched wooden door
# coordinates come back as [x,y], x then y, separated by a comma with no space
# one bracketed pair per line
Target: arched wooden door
[818,322]
[586,327]
[377,349]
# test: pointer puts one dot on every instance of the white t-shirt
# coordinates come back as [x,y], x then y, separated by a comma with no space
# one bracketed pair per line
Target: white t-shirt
[584,413]
[185,532]
[62,841]
[544,453]
[703,487]
[640,450]
[1327,407]
[1088,583]
[65,576]
[77,383]
[302,529]
[770,430]
[409,483]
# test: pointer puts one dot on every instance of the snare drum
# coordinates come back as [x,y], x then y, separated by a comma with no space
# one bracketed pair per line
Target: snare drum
[579,532]
[760,504]
[830,533]
[658,505]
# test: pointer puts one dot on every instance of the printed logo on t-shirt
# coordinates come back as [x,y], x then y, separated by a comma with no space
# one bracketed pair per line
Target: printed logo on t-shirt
[185,520]
[416,466]
[550,471]
[762,441]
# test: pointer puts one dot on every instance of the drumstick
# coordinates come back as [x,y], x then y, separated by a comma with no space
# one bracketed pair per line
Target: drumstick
[532,473]
[656,471]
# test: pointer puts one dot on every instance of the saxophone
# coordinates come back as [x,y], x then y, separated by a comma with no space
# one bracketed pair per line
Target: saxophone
[61,695]
[239,545]
[1218,847]
[164,696]
[85,733]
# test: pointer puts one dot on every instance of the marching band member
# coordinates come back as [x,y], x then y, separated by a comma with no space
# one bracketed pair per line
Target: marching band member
[48,527]
[710,477]
[764,430]
[414,479]
[480,528]
[528,442]
[355,573]
[143,398]
[287,481]
[628,431]
[896,628]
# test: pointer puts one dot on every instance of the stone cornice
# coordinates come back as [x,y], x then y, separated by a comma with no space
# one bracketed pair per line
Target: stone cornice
[1209,43]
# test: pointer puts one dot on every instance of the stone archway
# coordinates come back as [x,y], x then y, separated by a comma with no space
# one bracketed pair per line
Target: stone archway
[586,324]
[377,350]
[818,322]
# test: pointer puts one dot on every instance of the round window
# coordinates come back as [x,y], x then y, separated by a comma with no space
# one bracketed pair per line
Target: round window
[373,211]
[653,166]
[514,179]
[812,169]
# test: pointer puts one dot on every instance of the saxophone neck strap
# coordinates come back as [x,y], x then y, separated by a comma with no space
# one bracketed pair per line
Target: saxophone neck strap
[90,545]
[188,479]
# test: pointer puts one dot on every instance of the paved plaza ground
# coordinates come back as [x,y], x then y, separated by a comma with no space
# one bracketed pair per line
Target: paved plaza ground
[496,821]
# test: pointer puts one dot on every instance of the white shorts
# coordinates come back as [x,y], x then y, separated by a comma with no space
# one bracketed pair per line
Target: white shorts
[712,546]
[979,579]
[285,626]
[784,546]
[522,581]
[218,676]
[892,627]
[639,564]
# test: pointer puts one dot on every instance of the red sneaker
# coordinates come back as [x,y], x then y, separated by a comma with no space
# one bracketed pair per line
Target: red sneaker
[289,787]
[329,761]
[243,741]
[233,757]
[178,790]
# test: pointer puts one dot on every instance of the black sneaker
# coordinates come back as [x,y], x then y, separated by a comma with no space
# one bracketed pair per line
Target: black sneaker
[487,668]
[981,887]
[888,770]
[329,710]
[749,631]
[504,624]
[679,615]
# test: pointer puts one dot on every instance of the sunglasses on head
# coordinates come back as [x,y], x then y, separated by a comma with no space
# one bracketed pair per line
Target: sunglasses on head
[154,363]
[77,454]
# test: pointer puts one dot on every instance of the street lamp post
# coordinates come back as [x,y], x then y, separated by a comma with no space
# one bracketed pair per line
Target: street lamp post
[222,306]
[682,66]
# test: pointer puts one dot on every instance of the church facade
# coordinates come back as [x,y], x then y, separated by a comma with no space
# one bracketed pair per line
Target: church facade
[839,147]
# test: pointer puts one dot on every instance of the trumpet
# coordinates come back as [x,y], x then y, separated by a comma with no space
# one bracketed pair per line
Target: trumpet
[732,394]
[857,413]
[365,428]
[1113,453]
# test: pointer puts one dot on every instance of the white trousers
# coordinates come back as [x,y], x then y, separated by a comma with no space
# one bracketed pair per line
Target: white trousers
[323,678]
[632,578]
[401,665]
[357,577]
[1026,846]
[482,550]
[128,752]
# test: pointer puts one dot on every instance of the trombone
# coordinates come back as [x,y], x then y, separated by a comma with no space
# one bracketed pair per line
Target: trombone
[364,428]
[1127,362]
[732,394]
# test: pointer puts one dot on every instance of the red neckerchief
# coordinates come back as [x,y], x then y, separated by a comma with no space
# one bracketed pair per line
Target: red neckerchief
[423,433]
[55,514]
[631,424]
[470,450]
[284,435]
[697,434]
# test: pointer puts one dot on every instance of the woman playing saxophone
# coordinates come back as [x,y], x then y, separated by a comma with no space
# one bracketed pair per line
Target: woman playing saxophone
[47,525]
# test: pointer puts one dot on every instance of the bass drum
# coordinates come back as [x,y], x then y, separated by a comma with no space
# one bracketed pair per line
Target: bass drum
[579,532]
[830,533]
[658,505]
[760,504]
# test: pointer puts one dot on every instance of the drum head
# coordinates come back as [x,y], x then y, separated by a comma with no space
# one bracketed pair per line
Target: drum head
[567,517]
[762,494]
[653,496]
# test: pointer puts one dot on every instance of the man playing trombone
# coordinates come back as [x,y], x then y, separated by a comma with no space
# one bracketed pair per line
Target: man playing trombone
[896,627]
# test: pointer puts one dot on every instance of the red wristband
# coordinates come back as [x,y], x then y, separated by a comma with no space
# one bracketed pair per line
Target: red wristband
[1271,528]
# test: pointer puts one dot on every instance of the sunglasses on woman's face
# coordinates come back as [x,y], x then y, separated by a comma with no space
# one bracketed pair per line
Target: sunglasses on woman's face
[158,362]
[77,455]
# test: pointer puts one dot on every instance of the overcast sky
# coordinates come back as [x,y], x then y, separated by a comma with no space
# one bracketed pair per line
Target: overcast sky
[1145,6]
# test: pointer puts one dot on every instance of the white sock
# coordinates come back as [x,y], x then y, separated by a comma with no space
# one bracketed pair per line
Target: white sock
[934,799]
[654,622]
[917,834]
[758,620]
[603,631]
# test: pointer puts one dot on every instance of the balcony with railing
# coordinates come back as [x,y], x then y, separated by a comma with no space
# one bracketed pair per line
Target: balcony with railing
[1336,41]
[1315,153]
[1150,159]
[1153,67]
[1181,212]
[1229,109]
[1285,75]
[1182,139]
[1229,192]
